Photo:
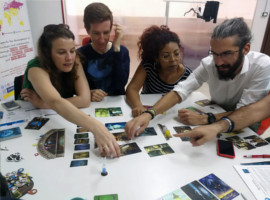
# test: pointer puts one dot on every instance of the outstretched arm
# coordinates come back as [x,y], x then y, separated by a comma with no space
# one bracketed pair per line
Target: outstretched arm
[132,93]
[41,82]
[242,118]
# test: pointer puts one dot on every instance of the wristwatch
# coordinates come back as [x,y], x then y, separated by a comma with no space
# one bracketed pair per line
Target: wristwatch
[211,118]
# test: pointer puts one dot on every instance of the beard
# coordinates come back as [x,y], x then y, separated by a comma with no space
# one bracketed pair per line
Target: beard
[230,74]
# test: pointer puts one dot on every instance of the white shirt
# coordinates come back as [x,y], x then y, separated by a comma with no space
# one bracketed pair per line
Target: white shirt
[249,86]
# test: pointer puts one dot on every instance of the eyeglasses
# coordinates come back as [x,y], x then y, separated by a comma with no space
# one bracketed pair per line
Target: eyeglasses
[54,27]
[226,55]
[168,56]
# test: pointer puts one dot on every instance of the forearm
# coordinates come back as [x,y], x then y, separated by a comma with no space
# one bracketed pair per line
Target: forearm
[79,101]
[166,102]
[133,98]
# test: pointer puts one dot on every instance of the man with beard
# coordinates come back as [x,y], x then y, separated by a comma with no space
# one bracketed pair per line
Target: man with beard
[235,75]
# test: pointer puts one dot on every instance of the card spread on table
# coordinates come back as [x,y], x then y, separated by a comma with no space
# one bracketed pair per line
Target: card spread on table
[81,141]
[176,194]
[82,147]
[148,132]
[182,129]
[81,155]
[78,163]
[81,130]
[115,125]
[81,136]
[36,123]
[158,149]
[130,148]
[196,190]
[106,197]
[240,143]
[204,102]
[218,187]
[256,140]
[10,133]
[108,112]
[196,110]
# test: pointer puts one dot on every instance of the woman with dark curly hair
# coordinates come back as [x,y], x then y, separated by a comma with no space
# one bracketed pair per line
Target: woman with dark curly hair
[55,79]
[161,67]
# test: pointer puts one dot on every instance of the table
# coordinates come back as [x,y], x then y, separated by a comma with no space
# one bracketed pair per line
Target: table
[132,177]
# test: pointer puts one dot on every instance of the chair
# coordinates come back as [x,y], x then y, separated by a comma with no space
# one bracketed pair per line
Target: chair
[86,40]
[18,82]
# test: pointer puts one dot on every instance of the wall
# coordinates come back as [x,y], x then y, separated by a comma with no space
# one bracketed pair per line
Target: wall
[259,24]
[42,13]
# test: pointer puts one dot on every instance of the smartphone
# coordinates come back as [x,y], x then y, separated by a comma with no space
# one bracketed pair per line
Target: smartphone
[10,105]
[225,148]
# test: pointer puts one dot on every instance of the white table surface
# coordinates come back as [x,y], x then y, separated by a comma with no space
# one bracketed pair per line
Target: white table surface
[133,177]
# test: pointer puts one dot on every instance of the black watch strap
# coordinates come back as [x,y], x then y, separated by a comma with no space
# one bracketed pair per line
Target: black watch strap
[211,118]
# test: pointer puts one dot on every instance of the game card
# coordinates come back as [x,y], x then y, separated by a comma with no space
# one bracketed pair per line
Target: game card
[182,129]
[148,132]
[240,143]
[256,140]
[10,133]
[81,136]
[81,141]
[108,112]
[37,123]
[197,191]
[121,136]
[115,126]
[204,102]
[176,194]
[218,187]
[82,147]
[196,110]
[106,197]
[81,155]
[130,148]
[81,130]
[78,163]
[158,149]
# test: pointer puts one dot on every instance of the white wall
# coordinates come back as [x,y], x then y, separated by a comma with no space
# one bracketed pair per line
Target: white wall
[259,24]
[42,13]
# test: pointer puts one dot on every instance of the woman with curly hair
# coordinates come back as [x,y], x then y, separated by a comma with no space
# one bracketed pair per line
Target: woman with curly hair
[55,79]
[161,66]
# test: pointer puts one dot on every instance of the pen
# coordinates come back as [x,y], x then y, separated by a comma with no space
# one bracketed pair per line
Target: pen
[165,131]
[15,122]
[257,156]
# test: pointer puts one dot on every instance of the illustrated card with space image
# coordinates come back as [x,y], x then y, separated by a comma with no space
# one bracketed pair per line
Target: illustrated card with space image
[182,129]
[256,140]
[81,141]
[197,191]
[36,123]
[115,125]
[130,148]
[121,136]
[82,147]
[218,187]
[81,136]
[240,143]
[158,149]
[78,163]
[81,155]
[176,195]
[108,112]
[148,132]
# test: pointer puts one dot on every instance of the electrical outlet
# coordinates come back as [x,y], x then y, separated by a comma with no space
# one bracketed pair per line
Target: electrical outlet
[264,14]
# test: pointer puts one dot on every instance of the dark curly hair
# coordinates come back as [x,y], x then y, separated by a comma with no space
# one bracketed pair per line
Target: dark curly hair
[63,82]
[153,40]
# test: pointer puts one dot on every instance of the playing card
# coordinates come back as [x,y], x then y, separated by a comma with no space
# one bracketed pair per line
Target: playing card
[81,155]
[176,194]
[108,112]
[121,136]
[218,187]
[36,123]
[148,132]
[81,141]
[82,147]
[204,102]
[256,140]
[240,143]
[182,129]
[106,197]
[80,136]
[78,163]
[115,126]
[130,148]
[81,130]
[10,133]
[158,149]
[197,191]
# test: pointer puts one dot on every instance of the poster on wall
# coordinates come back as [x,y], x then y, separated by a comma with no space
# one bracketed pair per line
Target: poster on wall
[16,44]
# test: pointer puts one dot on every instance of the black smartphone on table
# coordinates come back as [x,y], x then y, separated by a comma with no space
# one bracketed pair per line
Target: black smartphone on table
[225,148]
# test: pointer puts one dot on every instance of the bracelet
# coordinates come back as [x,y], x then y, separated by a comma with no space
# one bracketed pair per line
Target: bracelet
[231,124]
[149,112]
[153,110]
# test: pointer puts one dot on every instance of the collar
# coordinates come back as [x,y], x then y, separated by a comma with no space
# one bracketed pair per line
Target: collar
[245,65]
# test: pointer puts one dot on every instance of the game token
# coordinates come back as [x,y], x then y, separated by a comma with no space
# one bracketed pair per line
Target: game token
[33,191]
[36,154]
[20,170]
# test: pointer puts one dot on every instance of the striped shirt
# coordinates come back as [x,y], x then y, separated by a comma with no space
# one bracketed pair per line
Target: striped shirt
[154,85]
